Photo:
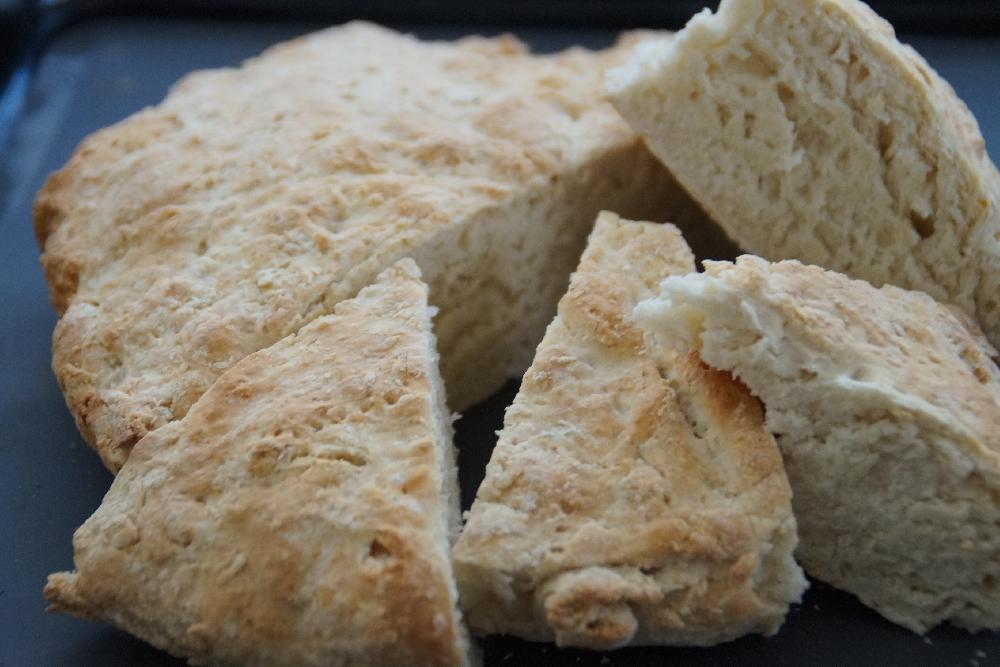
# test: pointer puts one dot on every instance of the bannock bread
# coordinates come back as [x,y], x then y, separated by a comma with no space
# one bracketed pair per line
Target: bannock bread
[301,513]
[809,132]
[887,410]
[253,199]
[634,496]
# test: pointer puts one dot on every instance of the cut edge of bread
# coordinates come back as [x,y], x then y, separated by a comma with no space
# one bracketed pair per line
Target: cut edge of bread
[911,497]
[446,456]
[615,589]
[809,132]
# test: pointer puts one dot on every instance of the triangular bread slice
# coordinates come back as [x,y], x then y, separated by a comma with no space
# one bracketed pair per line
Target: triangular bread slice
[887,410]
[634,496]
[253,199]
[302,511]
[809,132]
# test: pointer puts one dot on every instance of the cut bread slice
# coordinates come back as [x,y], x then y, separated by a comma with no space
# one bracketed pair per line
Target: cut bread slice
[301,513]
[809,132]
[253,199]
[887,410]
[634,496]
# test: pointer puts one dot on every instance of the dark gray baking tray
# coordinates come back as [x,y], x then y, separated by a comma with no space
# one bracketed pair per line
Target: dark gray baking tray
[97,73]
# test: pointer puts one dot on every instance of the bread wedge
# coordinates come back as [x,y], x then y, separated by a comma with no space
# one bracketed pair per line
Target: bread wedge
[634,496]
[886,407]
[809,132]
[253,199]
[301,513]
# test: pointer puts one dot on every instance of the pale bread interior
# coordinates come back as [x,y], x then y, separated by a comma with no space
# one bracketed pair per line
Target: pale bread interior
[809,132]
[896,481]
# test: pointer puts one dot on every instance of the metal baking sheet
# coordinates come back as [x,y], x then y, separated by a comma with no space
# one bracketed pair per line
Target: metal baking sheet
[100,71]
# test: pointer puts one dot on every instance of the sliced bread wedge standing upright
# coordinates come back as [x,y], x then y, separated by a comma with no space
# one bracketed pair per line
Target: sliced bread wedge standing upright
[809,132]
[634,496]
[886,407]
[301,513]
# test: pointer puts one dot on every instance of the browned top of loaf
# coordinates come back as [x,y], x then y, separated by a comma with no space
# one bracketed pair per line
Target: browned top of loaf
[294,515]
[254,198]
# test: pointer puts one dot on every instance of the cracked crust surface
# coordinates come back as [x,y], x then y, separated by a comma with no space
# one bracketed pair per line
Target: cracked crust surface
[809,132]
[634,496]
[299,513]
[887,409]
[253,199]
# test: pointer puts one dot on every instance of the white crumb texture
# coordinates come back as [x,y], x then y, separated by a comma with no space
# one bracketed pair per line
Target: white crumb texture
[807,131]
[886,407]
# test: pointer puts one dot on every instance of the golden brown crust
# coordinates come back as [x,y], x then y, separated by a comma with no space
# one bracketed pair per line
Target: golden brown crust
[251,200]
[634,495]
[296,514]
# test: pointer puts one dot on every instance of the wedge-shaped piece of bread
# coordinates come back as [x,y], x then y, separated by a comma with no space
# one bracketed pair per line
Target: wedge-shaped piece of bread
[253,199]
[809,132]
[301,512]
[887,410]
[634,496]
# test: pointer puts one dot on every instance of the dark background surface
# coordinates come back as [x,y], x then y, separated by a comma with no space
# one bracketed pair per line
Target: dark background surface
[27,26]
[95,72]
